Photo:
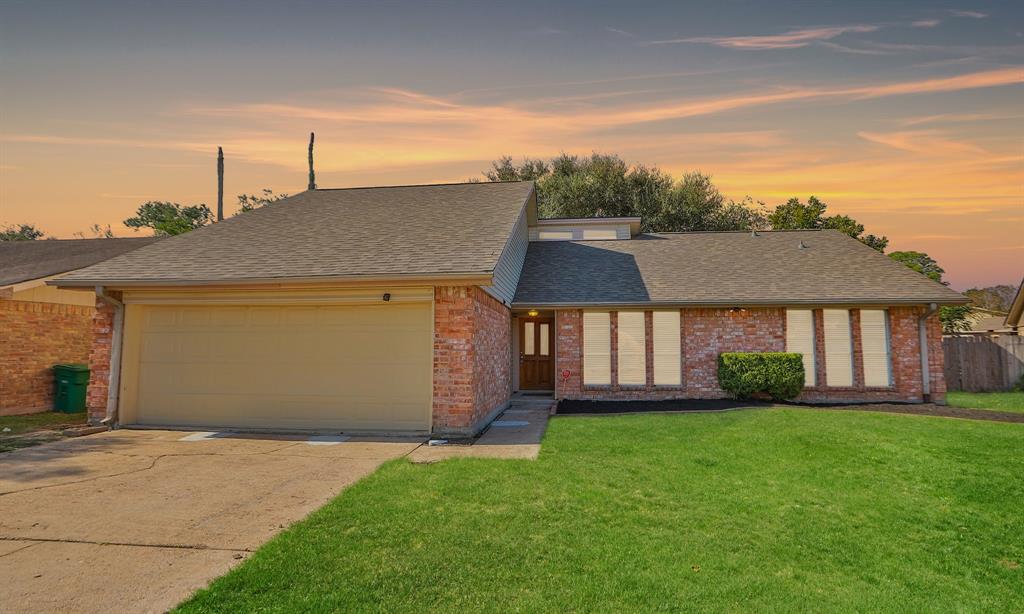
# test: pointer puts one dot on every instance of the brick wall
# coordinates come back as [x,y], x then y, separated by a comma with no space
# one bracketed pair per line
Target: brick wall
[34,337]
[99,360]
[706,333]
[472,345]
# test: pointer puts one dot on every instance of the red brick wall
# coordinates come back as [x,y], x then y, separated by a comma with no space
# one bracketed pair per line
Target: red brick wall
[34,337]
[709,332]
[706,333]
[99,360]
[472,345]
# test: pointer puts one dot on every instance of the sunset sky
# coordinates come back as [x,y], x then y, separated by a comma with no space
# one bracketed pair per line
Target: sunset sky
[907,116]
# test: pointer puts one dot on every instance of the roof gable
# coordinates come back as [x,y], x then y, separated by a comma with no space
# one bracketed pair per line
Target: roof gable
[324,234]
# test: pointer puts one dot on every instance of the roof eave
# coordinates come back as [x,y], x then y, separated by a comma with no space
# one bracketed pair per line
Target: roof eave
[739,303]
[475,278]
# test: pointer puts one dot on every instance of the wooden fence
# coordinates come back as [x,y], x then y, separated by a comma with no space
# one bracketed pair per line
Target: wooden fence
[980,363]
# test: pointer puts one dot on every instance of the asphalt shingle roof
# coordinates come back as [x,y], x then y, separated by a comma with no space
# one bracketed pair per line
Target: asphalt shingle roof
[26,260]
[372,232]
[723,268]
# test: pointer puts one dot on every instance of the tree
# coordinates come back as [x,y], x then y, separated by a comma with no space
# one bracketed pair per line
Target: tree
[167,218]
[251,202]
[96,232]
[922,263]
[20,232]
[794,215]
[994,298]
[604,185]
[954,318]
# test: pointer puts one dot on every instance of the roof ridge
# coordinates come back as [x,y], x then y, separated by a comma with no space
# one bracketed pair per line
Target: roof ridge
[414,185]
[746,232]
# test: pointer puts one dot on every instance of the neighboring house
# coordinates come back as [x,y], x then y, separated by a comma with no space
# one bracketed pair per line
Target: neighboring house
[42,325]
[424,308]
[1015,318]
[986,322]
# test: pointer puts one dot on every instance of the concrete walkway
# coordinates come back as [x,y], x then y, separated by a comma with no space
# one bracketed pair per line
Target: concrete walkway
[135,521]
[516,433]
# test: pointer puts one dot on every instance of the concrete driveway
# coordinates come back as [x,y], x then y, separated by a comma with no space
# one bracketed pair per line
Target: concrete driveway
[137,520]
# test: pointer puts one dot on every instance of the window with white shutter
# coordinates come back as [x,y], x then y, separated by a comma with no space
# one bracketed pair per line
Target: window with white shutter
[874,341]
[632,353]
[800,339]
[667,349]
[597,348]
[838,348]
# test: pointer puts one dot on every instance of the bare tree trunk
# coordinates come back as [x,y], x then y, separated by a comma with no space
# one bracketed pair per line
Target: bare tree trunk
[220,184]
[312,177]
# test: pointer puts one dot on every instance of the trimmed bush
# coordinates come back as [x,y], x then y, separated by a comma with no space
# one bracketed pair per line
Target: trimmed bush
[780,375]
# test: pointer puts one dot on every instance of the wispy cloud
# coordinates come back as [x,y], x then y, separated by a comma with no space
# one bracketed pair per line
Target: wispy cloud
[922,142]
[943,118]
[925,23]
[619,32]
[970,14]
[787,40]
[854,50]
[545,31]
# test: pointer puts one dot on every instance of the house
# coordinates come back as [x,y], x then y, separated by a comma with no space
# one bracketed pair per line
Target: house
[986,322]
[42,325]
[425,308]
[1015,317]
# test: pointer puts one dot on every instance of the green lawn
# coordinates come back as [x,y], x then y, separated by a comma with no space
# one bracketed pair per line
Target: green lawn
[781,509]
[1001,401]
[33,429]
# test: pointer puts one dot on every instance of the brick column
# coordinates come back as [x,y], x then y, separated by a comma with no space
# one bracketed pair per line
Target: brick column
[99,360]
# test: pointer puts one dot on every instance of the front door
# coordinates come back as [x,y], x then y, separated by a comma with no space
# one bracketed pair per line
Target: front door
[536,354]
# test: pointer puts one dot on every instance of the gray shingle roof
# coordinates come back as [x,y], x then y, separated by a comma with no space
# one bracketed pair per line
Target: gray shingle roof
[26,260]
[356,232]
[721,268]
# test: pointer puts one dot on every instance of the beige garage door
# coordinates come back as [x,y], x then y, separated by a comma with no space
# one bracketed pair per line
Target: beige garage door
[344,368]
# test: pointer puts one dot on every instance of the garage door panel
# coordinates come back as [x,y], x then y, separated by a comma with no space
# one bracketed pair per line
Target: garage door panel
[321,367]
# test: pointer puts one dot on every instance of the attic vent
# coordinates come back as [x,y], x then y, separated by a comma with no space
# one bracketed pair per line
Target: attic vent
[801,245]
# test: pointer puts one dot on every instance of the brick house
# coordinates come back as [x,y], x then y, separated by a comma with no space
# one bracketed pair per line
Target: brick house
[425,308]
[41,325]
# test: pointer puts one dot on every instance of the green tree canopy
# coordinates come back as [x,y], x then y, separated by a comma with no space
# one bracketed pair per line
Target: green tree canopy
[954,318]
[605,185]
[922,263]
[795,215]
[251,202]
[20,232]
[167,218]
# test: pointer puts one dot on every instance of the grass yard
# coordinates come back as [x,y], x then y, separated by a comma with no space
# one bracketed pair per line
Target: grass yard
[1000,401]
[781,509]
[33,429]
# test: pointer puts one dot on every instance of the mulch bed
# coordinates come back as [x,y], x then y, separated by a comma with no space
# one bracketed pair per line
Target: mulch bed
[570,407]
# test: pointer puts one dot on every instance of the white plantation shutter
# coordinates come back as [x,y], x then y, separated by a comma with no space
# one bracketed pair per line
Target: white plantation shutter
[874,340]
[632,349]
[800,338]
[838,348]
[667,349]
[597,348]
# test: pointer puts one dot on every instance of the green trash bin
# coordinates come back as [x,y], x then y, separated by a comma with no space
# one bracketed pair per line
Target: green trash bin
[69,384]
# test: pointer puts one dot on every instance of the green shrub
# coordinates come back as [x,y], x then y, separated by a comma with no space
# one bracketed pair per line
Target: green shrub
[780,375]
